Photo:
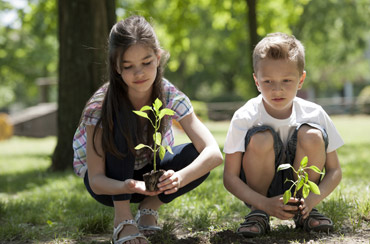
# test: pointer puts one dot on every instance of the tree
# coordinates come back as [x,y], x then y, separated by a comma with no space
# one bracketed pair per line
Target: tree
[83,29]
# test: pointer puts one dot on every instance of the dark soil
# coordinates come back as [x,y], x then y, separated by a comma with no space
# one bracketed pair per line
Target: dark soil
[152,179]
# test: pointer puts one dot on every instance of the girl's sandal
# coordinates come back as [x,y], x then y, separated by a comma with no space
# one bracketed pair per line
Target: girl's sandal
[257,218]
[146,211]
[120,227]
[305,224]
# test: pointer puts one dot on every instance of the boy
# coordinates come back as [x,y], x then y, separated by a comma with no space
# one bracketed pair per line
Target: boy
[277,127]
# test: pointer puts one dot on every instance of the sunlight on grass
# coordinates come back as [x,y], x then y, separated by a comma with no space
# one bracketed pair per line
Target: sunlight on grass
[44,206]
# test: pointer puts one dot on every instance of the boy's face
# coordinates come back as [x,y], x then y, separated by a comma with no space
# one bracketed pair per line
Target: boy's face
[278,81]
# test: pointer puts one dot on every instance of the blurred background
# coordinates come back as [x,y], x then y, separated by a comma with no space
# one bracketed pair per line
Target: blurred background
[52,55]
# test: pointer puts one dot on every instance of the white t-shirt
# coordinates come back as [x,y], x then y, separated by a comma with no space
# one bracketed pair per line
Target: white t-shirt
[253,113]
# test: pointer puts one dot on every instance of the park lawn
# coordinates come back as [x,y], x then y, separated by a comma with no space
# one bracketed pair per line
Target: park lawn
[41,206]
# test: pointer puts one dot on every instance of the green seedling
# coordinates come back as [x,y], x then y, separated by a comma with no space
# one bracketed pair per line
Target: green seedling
[157,137]
[302,181]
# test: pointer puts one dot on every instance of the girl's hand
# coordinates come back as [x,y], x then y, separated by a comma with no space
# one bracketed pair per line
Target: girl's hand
[136,186]
[276,207]
[170,182]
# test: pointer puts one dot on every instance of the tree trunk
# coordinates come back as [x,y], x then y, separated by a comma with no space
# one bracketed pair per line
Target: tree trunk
[84,26]
[253,35]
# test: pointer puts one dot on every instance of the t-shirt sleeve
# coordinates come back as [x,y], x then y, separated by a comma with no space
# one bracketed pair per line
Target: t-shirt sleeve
[235,138]
[92,111]
[177,101]
[335,140]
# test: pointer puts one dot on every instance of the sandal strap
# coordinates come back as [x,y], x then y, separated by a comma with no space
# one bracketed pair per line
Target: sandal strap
[314,214]
[120,227]
[129,238]
[259,218]
[146,211]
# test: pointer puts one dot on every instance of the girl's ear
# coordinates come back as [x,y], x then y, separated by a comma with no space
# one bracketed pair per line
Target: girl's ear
[301,80]
[159,55]
[118,68]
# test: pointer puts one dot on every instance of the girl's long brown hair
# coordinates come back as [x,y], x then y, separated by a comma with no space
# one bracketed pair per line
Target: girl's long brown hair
[117,108]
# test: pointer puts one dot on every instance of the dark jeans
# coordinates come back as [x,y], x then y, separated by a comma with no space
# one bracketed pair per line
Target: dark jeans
[277,186]
[182,156]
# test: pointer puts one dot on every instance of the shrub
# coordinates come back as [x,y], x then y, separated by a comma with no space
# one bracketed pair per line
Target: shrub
[363,100]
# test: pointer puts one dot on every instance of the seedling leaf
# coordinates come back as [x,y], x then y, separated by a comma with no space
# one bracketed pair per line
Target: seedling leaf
[300,184]
[317,170]
[157,137]
[314,188]
[166,111]
[162,152]
[146,108]
[304,161]
[306,190]
[141,114]
[169,149]
[157,105]
[141,146]
[283,167]
[286,196]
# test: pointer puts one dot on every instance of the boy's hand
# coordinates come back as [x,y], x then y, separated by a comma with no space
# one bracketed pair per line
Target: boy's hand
[277,208]
[305,208]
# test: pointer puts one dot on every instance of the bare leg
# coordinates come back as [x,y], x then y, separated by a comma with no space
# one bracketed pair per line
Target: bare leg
[310,143]
[259,165]
[150,203]
[122,212]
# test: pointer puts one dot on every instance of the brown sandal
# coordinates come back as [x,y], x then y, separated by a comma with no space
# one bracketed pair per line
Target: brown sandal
[257,218]
[314,214]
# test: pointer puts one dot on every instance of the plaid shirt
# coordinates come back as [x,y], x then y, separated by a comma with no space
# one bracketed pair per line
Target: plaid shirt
[175,100]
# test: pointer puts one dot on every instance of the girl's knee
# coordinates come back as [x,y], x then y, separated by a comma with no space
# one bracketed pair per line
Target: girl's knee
[309,136]
[261,142]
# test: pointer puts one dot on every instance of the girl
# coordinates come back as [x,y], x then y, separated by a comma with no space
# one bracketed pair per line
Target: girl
[105,139]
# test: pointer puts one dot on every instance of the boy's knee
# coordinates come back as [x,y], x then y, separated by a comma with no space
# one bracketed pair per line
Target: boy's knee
[261,142]
[309,136]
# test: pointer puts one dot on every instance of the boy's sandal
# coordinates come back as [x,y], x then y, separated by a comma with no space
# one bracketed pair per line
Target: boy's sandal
[120,227]
[305,224]
[257,218]
[146,211]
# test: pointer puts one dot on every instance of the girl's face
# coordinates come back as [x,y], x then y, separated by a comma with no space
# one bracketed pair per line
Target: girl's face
[138,69]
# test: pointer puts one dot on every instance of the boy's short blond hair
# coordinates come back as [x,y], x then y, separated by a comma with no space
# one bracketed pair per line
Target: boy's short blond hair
[279,46]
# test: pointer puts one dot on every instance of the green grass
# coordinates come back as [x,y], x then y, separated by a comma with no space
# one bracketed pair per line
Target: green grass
[41,206]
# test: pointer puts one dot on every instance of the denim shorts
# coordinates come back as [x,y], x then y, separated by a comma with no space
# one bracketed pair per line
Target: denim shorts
[277,186]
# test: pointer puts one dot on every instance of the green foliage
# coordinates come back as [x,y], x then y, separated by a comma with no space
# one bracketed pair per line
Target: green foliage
[28,50]
[302,181]
[208,41]
[157,137]
[335,34]
[364,100]
[207,60]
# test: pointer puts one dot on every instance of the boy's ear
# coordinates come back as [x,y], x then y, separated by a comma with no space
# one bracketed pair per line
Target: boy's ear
[301,80]
[256,82]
